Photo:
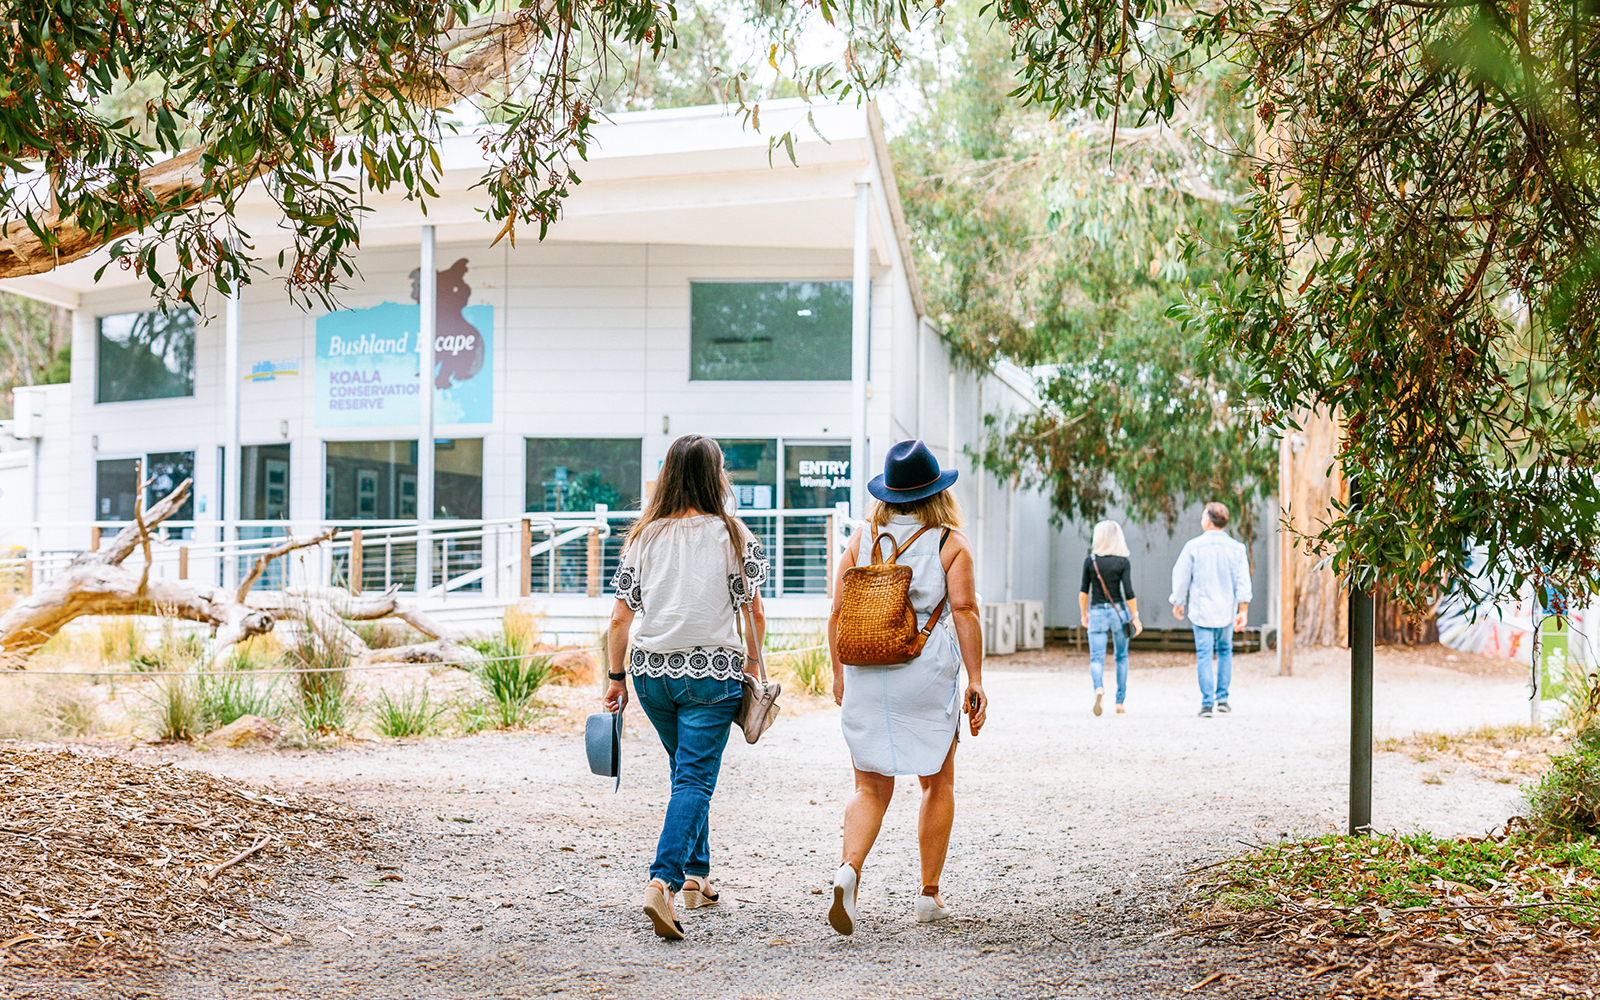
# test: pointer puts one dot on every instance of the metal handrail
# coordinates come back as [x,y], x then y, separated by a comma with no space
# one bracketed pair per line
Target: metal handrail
[488,544]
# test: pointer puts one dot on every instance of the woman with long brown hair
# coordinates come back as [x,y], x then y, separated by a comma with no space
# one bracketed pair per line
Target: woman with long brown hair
[688,569]
[905,718]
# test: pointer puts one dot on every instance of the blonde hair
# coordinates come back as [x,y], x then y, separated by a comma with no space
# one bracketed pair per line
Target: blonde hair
[1108,540]
[941,510]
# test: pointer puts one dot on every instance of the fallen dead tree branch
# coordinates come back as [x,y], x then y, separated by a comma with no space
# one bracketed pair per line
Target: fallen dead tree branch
[96,583]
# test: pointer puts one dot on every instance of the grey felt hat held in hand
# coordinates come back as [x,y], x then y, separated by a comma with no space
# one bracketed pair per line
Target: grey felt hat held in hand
[602,738]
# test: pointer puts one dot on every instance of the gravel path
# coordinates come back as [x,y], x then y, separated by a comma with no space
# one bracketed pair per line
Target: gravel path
[521,871]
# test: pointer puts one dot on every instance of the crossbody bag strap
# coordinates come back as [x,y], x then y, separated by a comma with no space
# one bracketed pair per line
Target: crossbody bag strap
[749,621]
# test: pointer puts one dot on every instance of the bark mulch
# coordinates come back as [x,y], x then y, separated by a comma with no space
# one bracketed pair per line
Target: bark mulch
[1414,916]
[100,858]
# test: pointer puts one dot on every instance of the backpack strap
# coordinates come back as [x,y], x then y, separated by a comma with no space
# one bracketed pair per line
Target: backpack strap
[938,609]
[900,549]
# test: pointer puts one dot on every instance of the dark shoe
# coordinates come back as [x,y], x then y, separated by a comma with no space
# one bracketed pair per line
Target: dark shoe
[1205,713]
[1222,708]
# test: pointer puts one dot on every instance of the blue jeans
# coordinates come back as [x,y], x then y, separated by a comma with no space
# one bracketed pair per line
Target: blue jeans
[1103,621]
[1209,641]
[692,716]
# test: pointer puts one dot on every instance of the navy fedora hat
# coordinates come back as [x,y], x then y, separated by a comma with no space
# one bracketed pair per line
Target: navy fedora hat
[910,473]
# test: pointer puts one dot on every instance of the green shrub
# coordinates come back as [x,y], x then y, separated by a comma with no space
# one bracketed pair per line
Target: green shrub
[807,663]
[121,641]
[468,717]
[177,713]
[1565,804]
[325,702]
[226,695]
[412,714]
[511,673]
[179,649]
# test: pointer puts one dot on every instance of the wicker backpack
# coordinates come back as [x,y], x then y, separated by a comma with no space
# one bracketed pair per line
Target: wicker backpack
[877,624]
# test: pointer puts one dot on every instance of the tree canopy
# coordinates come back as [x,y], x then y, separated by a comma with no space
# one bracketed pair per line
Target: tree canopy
[1416,251]
[1042,241]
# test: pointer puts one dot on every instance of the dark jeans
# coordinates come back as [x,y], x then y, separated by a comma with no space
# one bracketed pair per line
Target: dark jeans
[692,716]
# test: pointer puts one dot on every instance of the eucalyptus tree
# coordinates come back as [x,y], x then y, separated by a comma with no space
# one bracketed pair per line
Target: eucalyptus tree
[136,126]
[1419,252]
[1050,242]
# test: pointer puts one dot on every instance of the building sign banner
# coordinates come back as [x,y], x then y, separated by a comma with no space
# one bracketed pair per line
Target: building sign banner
[367,361]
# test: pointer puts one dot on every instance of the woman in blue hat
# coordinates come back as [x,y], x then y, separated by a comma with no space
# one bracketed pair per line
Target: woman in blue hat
[903,719]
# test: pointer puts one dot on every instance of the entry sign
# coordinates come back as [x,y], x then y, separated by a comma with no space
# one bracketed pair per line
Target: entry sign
[1553,639]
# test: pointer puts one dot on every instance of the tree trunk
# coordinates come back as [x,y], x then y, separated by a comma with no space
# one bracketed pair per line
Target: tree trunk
[1320,609]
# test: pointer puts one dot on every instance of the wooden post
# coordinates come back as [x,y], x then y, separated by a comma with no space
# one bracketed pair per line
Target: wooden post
[1286,560]
[525,560]
[94,539]
[183,562]
[592,573]
[27,580]
[356,569]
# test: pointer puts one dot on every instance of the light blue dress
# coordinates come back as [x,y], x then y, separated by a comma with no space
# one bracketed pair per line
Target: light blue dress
[903,719]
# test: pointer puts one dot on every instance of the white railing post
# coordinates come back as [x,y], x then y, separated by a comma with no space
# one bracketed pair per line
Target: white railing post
[427,302]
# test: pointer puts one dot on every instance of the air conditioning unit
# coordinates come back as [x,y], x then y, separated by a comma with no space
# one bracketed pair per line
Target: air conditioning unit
[1000,629]
[1030,624]
[27,402]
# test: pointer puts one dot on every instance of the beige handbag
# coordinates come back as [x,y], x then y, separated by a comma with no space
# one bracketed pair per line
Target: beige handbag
[758,709]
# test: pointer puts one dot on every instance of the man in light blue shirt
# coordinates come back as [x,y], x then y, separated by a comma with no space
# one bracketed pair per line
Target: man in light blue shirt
[1212,583]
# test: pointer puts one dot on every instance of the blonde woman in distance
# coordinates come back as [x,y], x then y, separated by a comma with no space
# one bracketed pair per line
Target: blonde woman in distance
[1105,601]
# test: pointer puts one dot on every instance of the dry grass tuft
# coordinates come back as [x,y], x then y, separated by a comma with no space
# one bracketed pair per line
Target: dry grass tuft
[1520,750]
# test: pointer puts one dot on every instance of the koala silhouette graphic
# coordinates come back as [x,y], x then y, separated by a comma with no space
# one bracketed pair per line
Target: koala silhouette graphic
[457,345]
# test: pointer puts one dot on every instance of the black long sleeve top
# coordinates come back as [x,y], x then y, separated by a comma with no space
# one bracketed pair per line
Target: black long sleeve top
[1119,577]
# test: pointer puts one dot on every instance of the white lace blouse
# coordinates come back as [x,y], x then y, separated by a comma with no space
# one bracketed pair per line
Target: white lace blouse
[688,585]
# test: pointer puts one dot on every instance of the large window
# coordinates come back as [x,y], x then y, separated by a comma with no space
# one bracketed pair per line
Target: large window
[370,480]
[770,330]
[117,484]
[145,355]
[377,480]
[753,467]
[816,476]
[264,487]
[458,478]
[577,473]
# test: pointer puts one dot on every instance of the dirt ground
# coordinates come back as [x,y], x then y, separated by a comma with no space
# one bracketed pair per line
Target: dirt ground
[521,872]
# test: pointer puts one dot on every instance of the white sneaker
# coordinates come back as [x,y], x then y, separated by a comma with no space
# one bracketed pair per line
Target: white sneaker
[927,910]
[842,914]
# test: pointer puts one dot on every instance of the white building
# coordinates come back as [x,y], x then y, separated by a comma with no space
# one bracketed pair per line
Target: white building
[695,283]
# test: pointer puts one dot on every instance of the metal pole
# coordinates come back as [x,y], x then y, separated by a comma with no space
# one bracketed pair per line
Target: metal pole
[427,300]
[1361,649]
[860,326]
[229,509]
